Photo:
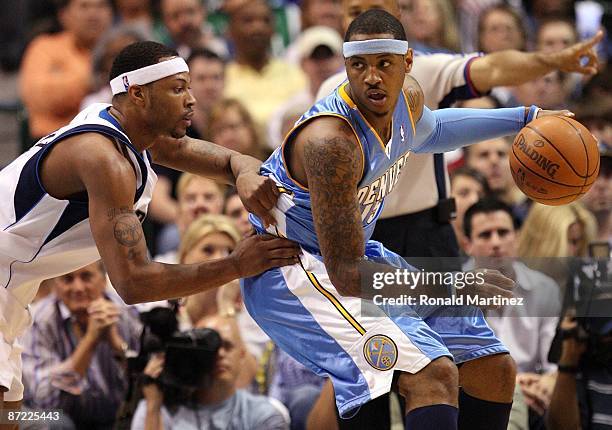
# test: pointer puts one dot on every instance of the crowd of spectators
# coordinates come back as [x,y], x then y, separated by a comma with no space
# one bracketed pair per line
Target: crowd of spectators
[256,66]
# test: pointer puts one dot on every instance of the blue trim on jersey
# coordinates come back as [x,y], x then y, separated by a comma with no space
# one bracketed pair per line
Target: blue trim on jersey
[73,214]
[108,131]
[28,191]
[105,115]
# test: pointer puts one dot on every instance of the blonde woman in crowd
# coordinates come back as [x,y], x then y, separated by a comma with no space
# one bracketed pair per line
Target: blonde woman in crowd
[557,231]
[208,238]
[550,234]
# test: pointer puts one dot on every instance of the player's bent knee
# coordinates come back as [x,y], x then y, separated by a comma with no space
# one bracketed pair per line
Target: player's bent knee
[438,380]
[502,366]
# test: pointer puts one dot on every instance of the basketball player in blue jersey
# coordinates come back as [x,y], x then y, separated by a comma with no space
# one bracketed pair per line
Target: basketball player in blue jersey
[80,193]
[334,170]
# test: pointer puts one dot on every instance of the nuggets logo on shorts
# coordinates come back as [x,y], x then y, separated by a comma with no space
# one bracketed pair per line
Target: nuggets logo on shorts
[380,352]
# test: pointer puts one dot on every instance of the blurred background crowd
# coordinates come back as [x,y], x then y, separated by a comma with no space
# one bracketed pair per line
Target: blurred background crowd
[256,66]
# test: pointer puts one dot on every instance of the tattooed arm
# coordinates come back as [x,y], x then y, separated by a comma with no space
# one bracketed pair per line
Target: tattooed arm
[327,158]
[110,183]
[258,194]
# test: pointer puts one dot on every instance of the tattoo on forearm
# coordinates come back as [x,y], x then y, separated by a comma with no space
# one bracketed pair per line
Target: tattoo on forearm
[211,153]
[334,169]
[111,213]
[127,230]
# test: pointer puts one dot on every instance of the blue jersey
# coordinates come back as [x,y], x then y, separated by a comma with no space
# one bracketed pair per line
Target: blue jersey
[382,163]
[299,307]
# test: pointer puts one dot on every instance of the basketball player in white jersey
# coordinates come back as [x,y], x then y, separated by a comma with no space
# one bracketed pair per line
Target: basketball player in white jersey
[80,193]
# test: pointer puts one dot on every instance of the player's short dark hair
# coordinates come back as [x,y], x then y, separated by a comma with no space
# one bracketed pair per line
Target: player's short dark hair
[376,21]
[138,55]
[207,54]
[485,205]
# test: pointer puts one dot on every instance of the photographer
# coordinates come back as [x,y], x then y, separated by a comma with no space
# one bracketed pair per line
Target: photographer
[214,403]
[582,397]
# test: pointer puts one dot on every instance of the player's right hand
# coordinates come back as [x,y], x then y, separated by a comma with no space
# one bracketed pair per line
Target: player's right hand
[258,253]
[494,284]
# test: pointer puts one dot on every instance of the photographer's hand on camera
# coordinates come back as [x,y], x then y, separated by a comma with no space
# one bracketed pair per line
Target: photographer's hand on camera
[494,284]
[150,389]
[258,253]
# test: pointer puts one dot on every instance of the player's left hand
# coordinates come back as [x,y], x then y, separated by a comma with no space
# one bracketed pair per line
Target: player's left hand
[571,59]
[258,194]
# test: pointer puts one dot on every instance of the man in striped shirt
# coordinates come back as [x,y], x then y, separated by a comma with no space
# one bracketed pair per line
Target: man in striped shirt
[74,352]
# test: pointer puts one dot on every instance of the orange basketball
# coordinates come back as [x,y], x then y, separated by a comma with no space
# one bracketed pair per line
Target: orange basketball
[554,160]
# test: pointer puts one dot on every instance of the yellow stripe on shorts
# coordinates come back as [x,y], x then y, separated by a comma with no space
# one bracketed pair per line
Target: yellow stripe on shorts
[334,301]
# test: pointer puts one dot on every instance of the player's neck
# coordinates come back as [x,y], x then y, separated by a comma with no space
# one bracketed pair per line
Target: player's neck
[141,137]
[380,123]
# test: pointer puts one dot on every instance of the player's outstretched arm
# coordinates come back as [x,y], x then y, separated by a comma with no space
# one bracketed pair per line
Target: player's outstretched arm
[511,67]
[110,183]
[258,194]
[449,129]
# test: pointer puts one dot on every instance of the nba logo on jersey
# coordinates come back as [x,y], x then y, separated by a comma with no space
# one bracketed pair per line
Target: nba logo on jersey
[126,83]
[380,352]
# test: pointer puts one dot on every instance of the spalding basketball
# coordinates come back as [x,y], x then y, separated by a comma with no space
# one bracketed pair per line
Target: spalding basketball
[554,160]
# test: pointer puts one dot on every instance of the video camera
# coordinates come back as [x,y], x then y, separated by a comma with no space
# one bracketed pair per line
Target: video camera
[589,294]
[189,356]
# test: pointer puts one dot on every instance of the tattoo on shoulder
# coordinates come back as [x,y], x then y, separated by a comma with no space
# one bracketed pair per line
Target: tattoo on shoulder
[112,213]
[127,230]
[415,96]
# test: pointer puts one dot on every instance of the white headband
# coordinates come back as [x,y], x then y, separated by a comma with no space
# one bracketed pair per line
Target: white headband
[374,46]
[148,74]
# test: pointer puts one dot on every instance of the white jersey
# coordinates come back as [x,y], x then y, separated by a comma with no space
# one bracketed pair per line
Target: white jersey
[42,237]
[444,79]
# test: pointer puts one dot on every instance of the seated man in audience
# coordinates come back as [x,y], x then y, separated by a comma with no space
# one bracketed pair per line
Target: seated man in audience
[528,329]
[196,196]
[74,353]
[217,404]
[491,159]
